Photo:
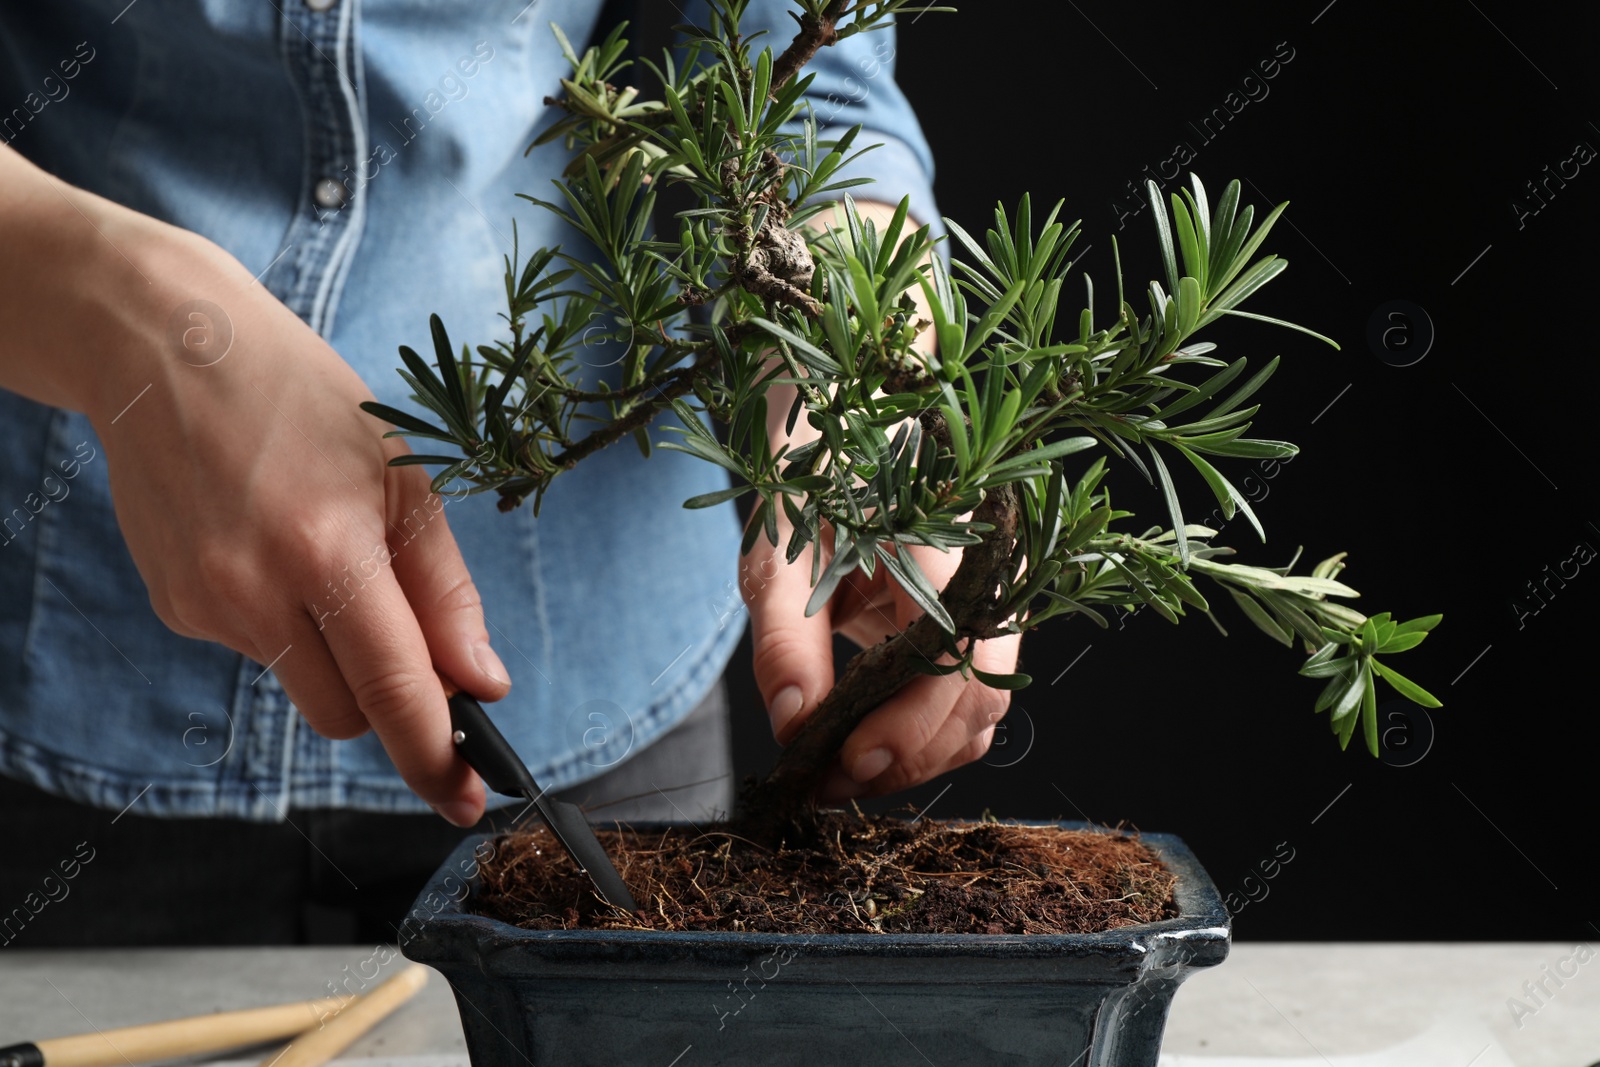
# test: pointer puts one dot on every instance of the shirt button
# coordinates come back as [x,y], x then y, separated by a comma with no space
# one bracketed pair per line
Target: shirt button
[330,192]
[320,5]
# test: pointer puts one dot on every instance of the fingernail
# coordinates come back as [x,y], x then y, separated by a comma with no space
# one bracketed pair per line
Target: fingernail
[785,706]
[996,716]
[872,764]
[457,813]
[489,663]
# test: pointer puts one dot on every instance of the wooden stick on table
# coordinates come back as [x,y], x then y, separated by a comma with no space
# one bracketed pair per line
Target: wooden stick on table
[175,1037]
[316,1047]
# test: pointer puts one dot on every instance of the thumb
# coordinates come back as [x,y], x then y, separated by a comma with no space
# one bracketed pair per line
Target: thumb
[793,658]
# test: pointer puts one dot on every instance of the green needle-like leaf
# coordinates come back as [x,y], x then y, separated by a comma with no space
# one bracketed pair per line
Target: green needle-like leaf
[407,422]
[1419,625]
[1369,708]
[1174,508]
[905,570]
[1406,687]
[1350,698]
[1169,259]
[447,367]
[1258,615]
[706,500]
[1003,681]
[1281,322]
[1188,242]
[809,353]
[843,562]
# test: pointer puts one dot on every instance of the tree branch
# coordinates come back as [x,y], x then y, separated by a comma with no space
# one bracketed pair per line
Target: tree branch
[815,33]
[675,383]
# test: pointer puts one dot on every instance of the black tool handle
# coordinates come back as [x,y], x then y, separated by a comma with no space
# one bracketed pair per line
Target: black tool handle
[486,749]
[25,1055]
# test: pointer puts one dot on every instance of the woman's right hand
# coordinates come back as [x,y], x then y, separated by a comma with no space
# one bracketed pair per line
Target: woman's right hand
[254,495]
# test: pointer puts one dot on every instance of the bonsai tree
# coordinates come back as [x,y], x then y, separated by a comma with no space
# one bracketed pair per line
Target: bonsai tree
[997,442]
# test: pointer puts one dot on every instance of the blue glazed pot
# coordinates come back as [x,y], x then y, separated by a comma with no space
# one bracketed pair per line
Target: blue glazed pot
[554,998]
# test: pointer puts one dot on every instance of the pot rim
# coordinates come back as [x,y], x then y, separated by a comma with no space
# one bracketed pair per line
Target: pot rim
[1200,933]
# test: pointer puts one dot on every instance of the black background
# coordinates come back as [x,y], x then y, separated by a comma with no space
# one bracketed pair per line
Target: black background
[1404,139]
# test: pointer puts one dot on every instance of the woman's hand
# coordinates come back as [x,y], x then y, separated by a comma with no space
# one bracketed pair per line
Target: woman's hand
[932,725]
[254,495]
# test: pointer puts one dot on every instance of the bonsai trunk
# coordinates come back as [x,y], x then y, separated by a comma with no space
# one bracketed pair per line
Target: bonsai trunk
[776,803]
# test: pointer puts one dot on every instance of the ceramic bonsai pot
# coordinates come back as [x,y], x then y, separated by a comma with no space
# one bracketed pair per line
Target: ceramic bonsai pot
[562,997]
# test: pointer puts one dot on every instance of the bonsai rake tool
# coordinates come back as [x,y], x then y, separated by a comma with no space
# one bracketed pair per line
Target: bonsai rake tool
[497,763]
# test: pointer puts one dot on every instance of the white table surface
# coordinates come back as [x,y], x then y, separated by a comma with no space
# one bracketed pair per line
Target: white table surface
[1311,1002]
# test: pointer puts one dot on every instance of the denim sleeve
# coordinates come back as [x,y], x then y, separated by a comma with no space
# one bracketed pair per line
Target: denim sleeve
[855,85]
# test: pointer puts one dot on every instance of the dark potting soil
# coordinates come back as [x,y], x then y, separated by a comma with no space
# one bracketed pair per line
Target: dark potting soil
[855,874]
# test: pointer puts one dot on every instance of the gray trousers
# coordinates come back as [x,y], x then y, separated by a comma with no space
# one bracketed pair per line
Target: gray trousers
[686,776]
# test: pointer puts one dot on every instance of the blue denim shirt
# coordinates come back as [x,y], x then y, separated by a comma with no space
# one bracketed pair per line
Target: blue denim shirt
[615,611]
